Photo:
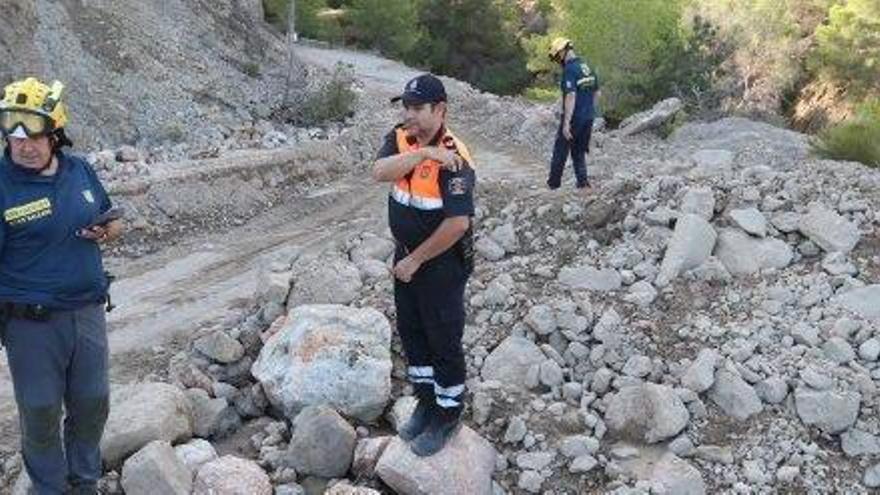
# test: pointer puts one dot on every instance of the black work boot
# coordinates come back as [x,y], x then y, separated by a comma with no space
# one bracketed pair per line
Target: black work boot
[421,416]
[443,426]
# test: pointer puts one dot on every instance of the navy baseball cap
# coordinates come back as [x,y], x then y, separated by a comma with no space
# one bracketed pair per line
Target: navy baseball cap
[426,88]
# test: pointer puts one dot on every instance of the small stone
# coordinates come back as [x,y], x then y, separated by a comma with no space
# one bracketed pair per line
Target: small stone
[516,430]
[583,464]
[870,349]
[838,350]
[714,453]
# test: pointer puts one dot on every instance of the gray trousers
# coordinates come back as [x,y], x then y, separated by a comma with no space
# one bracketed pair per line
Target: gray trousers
[61,365]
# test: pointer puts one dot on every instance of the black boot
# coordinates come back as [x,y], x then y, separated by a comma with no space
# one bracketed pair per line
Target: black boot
[443,426]
[421,416]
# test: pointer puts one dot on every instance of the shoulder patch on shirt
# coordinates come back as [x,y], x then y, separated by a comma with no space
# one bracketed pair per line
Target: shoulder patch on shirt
[457,186]
[87,193]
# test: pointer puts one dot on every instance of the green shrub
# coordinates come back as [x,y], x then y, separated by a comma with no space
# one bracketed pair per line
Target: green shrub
[334,101]
[391,26]
[312,18]
[855,140]
[541,94]
[848,47]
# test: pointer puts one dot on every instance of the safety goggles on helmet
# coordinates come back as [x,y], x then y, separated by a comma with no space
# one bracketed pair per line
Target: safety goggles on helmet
[13,121]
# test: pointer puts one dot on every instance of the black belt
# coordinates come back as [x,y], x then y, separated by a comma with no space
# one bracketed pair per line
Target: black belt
[34,312]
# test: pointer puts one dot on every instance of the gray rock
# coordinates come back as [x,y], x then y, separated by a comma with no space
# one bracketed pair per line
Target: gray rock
[220,347]
[712,163]
[142,413]
[516,430]
[646,412]
[682,446]
[815,379]
[328,279]
[578,445]
[828,230]
[745,255]
[272,286]
[590,278]
[156,469]
[535,461]
[195,453]
[691,245]
[857,443]
[700,376]
[322,443]
[606,329]
[864,301]
[505,236]
[211,417]
[773,390]
[673,475]
[651,119]
[832,412]
[583,464]
[786,222]
[541,319]
[872,477]
[734,396]
[530,481]
[638,366]
[372,248]
[510,361]
[465,465]
[231,475]
[715,453]
[838,350]
[367,454]
[753,472]
[787,474]
[328,354]
[489,249]
[750,220]
[641,294]
[870,349]
[551,374]
[401,411]
[838,264]
[699,201]
[805,334]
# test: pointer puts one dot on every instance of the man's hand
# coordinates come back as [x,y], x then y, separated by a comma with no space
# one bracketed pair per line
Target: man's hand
[406,268]
[97,233]
[566,131]
[447,159]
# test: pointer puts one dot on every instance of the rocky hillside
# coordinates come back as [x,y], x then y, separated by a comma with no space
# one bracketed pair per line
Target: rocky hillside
[149,71]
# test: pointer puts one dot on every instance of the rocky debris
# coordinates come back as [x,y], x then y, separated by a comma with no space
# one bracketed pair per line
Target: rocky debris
[328,354]
[328,279]
[864,301]
[465,465]
[750,220]
[828,230]
[322,443]
[734,396]
[156,469]
[142,413]
[699,201]
[830,411]
[690,246]
[366,455]
[745,255]
[590,278]
[195,453]
[712,162]
[856,443]
[700,376]
[661,113]
[231,475]
[212,417]
[646,412]
[511,360]
[675,475]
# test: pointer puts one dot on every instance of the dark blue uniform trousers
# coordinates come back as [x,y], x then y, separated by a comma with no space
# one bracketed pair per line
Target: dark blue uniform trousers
[61,362]
[578,148]
[430,321]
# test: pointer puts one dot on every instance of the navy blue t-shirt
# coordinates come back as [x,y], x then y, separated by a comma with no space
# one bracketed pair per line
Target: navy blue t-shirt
[42,260]
[579,77]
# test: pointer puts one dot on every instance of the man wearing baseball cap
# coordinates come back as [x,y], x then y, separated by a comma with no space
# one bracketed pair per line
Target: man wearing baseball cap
[429,211]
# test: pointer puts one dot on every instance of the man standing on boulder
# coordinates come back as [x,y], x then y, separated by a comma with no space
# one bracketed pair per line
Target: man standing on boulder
[53,290]
[429,211]
[580,89]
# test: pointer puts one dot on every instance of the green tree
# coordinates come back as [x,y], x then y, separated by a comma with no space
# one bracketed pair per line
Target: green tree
[848,47]
[392,26]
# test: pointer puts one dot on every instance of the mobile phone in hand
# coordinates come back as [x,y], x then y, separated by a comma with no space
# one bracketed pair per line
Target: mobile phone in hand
[103,219]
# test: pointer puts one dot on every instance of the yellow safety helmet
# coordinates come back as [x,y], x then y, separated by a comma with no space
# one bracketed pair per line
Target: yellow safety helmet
[557,46]
[32,108]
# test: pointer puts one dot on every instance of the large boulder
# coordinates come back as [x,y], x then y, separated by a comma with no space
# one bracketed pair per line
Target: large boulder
[830,411]
[647,412]
[156,469]
[864,301]
[329,279]
[828,230]
[509,363]
[661,113]
[691,244]
[141,413]
[322,443]
[230,475]
[742,254]
[465,465]
[328,354]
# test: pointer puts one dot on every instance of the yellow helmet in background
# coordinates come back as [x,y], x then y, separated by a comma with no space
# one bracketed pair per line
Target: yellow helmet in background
[557,46]
[33,108]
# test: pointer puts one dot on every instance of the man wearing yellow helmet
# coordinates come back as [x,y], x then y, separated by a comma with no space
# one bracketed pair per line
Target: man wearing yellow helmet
[580,89]
[52,290]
